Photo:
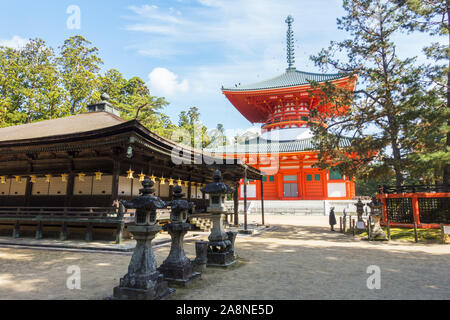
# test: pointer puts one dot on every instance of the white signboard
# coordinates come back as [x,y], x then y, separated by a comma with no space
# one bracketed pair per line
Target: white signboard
[251,191]
[336,190]
[446,229]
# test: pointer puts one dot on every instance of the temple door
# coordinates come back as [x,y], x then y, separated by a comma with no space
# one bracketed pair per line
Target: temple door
[313,185]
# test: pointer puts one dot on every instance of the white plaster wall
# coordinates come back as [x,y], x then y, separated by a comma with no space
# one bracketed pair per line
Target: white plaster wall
[82,188]
[4,187]
[57,186]
[124,186]
[251,191]
[18,188]
[336,190]
[102,187]
[40,187]
[164,190]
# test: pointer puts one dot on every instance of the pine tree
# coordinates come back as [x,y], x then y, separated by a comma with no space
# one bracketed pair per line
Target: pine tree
[433,17]
[382,110]
[79,66]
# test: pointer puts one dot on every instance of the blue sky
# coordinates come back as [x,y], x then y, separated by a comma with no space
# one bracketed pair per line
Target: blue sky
[187,49]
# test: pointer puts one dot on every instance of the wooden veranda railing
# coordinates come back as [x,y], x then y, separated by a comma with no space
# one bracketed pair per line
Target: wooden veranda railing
[36,213]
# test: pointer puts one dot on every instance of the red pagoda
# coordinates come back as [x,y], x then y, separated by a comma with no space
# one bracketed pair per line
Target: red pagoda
[285,151]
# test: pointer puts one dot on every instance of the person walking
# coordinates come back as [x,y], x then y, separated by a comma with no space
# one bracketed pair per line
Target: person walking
[332,219]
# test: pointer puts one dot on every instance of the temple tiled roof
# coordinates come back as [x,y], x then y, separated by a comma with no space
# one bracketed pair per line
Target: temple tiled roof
[62,126]
[290,78]
[265,146]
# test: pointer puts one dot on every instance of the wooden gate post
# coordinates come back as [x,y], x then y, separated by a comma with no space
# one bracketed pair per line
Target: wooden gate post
[442,233]
[388,226]
[415,233]
[415,208]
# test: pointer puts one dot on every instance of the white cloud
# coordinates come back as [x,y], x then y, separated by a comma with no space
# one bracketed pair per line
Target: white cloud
[16,42]
[163,30]
[164,82]
[210,43]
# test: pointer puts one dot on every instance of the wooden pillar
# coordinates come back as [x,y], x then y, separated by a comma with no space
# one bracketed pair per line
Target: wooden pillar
[262,201]
[171,192]
[16,230]
[384,201]
[69,189]
[415,207]
[236,204]
[89,232]
[28,190]
[245,199]
[38,235]
[189,191]
[115,181]
[63,232]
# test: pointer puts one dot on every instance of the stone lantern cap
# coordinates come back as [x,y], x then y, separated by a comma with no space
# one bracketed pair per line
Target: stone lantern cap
[146,200]
[178,204]
[217,187]
[376,206]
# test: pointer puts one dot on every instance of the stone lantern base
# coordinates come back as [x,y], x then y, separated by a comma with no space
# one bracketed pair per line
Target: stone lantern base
[177,268]
[221,244]
[376,232]
[179,275]
[220,259]
[143,281]
[159,291]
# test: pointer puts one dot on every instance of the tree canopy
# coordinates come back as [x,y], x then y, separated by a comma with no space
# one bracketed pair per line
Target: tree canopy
[392,119]
[38,84]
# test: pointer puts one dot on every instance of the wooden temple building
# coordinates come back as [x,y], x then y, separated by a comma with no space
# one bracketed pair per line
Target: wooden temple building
[284,151]
[68,174]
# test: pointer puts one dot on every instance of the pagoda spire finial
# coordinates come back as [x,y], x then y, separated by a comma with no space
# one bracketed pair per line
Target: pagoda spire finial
[290,43]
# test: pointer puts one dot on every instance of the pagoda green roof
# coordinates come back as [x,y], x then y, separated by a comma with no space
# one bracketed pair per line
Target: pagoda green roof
[262,146]
[290,78]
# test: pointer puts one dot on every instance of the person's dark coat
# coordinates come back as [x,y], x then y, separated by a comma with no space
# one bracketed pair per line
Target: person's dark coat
[332,218]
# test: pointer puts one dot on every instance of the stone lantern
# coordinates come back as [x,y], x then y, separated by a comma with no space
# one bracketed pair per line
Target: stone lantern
[220,245]
[177,268]
[143,281]
[360,211]
[376,210]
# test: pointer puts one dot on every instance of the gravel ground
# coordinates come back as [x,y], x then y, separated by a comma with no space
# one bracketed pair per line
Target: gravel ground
[301,259]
